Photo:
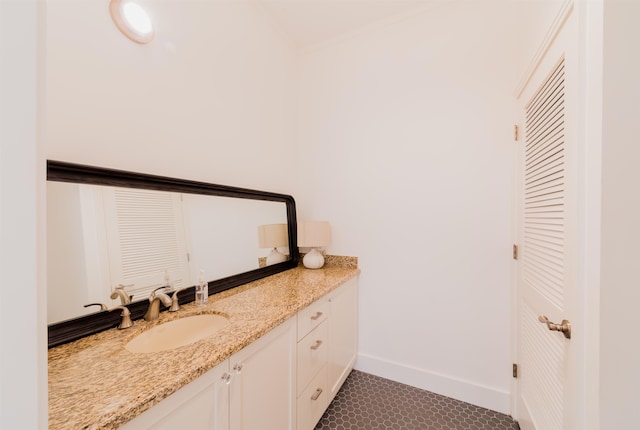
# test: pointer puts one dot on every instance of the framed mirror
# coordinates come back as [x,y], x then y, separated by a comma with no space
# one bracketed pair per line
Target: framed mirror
[114,236]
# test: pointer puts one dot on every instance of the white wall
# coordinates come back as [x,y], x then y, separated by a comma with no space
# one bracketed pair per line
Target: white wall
[23,371]
[620,287]
[211,98]
[405,145]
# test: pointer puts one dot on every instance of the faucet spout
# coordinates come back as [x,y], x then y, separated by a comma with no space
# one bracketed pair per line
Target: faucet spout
[153,312]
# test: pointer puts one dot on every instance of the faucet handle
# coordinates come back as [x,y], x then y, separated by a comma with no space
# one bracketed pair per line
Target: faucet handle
[175,306]
[126,317]
[103,307]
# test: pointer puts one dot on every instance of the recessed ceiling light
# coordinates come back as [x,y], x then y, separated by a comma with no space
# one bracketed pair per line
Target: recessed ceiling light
[132,20]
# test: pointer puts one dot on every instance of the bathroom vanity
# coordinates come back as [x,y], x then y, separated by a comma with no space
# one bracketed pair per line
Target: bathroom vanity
[289,345]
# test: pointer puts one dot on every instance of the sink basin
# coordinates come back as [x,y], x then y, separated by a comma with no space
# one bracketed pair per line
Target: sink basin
[177,333]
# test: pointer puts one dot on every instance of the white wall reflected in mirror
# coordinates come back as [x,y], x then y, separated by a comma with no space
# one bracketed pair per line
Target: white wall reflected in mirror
[100,236]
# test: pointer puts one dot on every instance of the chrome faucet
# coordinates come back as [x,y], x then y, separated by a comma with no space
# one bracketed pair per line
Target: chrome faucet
[125,299]
[154,304]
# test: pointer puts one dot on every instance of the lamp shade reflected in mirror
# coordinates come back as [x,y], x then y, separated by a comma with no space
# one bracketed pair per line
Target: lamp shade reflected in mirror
[273,236]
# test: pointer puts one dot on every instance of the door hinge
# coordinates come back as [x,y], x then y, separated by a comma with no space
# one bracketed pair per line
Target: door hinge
[516,132]
[515,252]
[515,370]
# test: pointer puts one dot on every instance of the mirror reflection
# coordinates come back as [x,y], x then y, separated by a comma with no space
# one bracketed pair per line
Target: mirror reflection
[110,244]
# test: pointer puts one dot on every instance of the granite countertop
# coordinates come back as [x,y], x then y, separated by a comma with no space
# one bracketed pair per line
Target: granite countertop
[95,383]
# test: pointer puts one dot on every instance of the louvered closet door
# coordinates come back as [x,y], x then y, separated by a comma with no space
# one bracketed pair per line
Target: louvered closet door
[546,387]
[145,238]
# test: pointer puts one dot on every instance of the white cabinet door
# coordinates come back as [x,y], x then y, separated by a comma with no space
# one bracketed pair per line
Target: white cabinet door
[262,393]
[343,333]
[201,405]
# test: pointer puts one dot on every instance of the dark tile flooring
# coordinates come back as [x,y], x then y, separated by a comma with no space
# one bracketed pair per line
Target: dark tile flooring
[368,402]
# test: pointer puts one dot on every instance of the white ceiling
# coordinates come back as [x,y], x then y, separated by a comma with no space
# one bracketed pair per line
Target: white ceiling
[308,22]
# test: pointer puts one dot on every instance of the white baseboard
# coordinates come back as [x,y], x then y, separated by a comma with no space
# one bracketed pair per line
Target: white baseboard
[479,395]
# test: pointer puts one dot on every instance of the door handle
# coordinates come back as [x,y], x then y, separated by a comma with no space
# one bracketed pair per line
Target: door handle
[564,326]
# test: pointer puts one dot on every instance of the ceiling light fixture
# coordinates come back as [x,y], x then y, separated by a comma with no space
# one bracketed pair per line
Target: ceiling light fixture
[132,20]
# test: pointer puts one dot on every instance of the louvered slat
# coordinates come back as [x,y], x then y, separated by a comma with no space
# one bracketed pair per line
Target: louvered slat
[544,189]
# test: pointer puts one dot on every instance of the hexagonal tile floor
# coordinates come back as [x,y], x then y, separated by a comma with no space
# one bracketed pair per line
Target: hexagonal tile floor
[368,402]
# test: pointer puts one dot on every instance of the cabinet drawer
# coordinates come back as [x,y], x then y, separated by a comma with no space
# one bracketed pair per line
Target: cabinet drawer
[313,401]
[312,355]
[311,316]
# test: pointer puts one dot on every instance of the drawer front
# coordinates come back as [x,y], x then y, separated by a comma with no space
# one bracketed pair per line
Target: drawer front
[311,317]
[312,355]
[313,401]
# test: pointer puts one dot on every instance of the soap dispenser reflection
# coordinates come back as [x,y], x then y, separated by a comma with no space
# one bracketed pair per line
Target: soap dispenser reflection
[167,281]
[202,291]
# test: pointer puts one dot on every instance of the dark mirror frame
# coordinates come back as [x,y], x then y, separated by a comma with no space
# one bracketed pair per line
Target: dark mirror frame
[76,328]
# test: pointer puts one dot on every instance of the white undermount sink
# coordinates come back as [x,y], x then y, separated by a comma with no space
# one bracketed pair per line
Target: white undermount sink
[177,333]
